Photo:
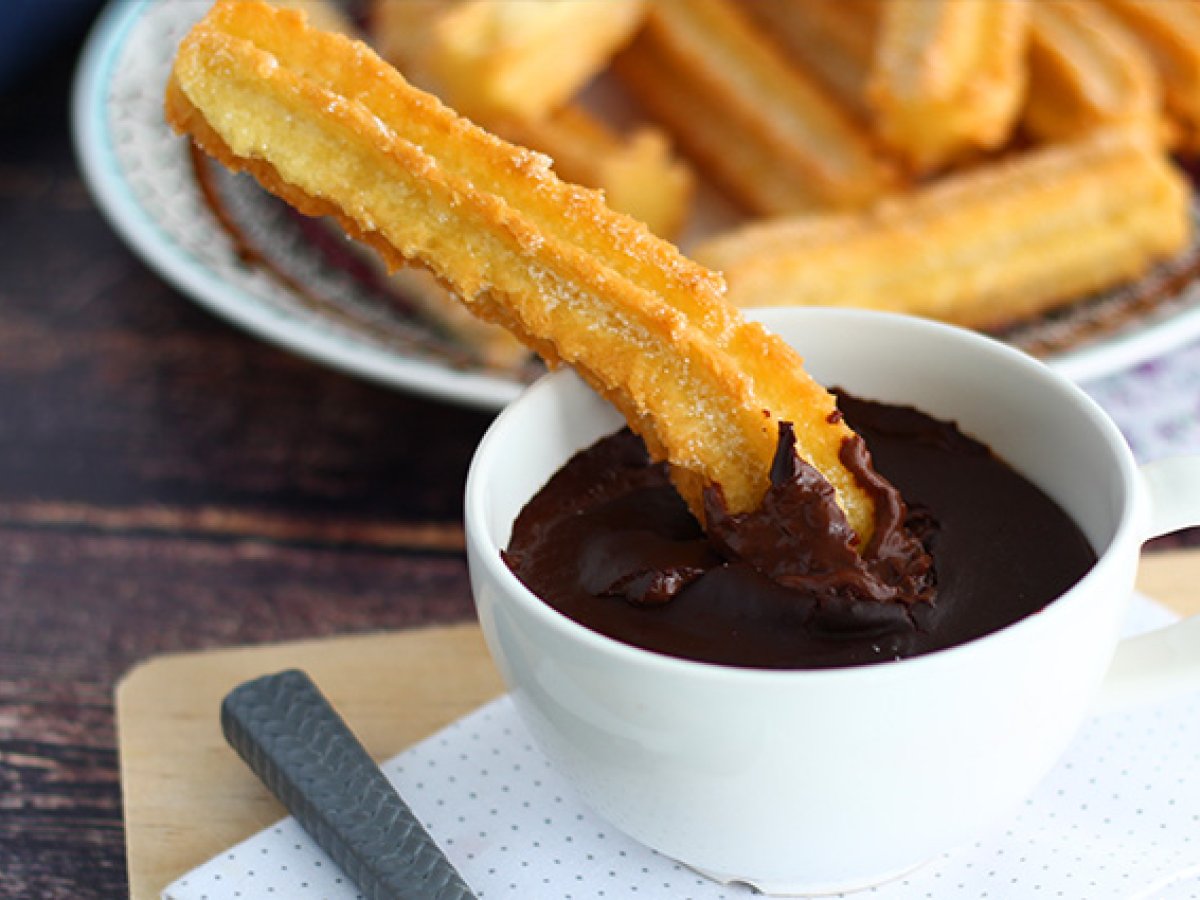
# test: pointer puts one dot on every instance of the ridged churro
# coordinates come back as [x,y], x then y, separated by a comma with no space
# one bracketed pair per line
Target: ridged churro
[523,58]
[832,39]
[762,128]
[948,76]
[638,173]
[1086,72]
[981,248]
[328,15]
[327,125]
[1169,31]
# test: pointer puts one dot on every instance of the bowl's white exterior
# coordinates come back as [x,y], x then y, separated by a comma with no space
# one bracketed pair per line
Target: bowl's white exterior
[811,781]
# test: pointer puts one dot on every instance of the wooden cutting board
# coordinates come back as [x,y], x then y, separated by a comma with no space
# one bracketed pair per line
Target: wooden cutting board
[187,795]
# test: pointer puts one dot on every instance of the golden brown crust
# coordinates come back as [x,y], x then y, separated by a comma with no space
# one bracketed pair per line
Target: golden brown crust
[1169,31]
[981,248]
[948,76]
[638,173]
[760,126]
[1085,72]
[522,58]
[328,126]
[832,39]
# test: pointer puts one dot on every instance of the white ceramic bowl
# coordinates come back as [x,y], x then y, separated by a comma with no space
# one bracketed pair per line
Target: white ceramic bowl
[826,780]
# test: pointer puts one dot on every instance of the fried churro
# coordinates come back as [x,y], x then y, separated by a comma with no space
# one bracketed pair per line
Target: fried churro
[328,15]
[638,173]
[1169,31]
[832,39]
[948,76]
[761,127]
[981,248]
[327,125]
[1086,72]
[523,58]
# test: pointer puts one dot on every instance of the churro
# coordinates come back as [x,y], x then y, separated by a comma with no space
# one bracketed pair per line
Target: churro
[638,173]
[832,39]
[327,125]
[1086,72]
[1169,31]
[948,76]
[981,248]
[523,58]
[760,126]
[328,15]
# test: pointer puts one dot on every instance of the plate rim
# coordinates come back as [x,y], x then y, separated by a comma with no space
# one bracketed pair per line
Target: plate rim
[97,161]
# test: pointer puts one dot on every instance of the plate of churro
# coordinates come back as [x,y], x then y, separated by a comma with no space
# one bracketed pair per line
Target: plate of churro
[1013,167]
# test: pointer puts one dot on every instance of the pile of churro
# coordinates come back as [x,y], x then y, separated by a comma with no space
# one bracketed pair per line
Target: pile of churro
[978,161]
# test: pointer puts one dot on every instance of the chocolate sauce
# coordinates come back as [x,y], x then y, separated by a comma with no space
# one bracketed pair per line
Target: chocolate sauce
[609,543]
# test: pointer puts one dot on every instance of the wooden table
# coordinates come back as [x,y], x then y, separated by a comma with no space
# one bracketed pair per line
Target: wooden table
[168,483]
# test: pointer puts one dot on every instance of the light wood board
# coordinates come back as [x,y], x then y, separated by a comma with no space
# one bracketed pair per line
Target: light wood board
[187,795]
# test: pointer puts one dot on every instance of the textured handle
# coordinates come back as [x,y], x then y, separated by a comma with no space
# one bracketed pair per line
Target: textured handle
[287,732]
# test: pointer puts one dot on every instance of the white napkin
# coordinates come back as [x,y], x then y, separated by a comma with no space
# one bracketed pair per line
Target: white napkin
[1118,818]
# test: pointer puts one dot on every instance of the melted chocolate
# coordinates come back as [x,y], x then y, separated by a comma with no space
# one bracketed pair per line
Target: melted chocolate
[609,543]
[800,538]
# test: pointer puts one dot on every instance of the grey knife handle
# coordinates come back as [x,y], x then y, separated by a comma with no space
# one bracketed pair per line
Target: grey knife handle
[289,734]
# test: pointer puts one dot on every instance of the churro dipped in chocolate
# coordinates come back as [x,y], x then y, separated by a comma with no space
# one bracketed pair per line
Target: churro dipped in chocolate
[983,248]
[327,125]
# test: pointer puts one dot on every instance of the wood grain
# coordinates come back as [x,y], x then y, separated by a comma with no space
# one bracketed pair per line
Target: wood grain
[168,483]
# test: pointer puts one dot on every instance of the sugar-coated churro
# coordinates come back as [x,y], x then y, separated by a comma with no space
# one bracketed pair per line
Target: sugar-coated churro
[982,248]
[327,125]
[948,76]
[519,57]
[1169,31]
[638,173]
[762,128]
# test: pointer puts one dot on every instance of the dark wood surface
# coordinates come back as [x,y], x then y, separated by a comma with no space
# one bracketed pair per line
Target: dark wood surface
[169,483]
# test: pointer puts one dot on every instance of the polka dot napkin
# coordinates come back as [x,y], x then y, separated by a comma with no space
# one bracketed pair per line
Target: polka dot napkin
[1118,818]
